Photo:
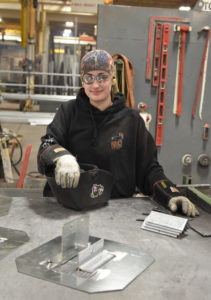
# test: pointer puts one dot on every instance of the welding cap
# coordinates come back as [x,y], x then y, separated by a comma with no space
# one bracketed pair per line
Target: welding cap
[97,60]
[93,190]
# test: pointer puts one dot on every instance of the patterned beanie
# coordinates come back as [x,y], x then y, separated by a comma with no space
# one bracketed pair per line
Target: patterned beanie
[97,60]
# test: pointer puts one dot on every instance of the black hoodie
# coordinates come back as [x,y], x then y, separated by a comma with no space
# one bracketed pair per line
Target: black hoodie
[115,139]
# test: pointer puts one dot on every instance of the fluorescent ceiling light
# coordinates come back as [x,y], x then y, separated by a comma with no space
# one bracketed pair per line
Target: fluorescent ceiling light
[185,8]
[12,38]
[69,24]
[67,32]
[71,40]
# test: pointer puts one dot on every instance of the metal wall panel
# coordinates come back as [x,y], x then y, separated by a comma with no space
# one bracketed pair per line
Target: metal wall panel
[124,29]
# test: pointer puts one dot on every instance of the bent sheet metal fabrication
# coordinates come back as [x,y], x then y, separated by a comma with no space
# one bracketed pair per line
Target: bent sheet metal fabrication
[84,262]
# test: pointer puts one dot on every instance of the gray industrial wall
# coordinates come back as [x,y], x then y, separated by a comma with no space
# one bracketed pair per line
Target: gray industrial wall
[124,29]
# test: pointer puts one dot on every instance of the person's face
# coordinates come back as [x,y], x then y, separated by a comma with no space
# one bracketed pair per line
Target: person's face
[97,85]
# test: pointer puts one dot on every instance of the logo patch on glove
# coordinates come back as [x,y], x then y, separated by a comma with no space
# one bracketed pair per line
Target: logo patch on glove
[58,149]
[173,189]
[97,190]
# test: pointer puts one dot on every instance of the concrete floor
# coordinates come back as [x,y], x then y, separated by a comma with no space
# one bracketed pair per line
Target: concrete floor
[30,134]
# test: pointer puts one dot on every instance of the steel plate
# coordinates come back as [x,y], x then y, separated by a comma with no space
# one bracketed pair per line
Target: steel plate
[10,239]
[116,274]
[5,203]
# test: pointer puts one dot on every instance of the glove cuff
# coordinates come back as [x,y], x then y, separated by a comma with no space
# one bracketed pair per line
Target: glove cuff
[164,190]
[50,154]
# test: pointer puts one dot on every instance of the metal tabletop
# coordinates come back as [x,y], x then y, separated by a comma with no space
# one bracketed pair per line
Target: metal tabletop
[182,267]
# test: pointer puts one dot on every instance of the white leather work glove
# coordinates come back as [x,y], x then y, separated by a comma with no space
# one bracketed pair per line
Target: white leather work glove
[187,207]
[67,171]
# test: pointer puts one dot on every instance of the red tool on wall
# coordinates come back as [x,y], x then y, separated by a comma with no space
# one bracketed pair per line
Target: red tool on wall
[162,84]
[183,31]
[24,167]
[150,38]
[157,54]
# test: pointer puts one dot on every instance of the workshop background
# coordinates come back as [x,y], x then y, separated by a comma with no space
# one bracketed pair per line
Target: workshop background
[39,69]
[126,30]
[131,248]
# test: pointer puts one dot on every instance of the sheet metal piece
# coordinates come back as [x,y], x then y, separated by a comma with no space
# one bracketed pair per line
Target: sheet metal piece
[75,236]
[5,203]
[11,239]
[201,224]
[165,224]
[113,267]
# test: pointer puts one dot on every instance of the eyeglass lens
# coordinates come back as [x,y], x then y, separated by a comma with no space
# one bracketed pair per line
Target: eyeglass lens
[89,78]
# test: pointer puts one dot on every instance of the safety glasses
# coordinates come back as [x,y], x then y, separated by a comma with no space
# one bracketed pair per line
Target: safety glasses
[89,78]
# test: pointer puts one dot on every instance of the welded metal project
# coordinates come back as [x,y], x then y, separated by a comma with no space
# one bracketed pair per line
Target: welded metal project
[84,262]
[11,239]
[5,203]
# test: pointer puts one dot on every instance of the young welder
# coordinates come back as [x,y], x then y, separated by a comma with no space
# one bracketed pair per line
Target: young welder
[98,128]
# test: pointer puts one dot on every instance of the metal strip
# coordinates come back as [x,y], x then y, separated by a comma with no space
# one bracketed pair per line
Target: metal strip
[202,69]
[35,118]
[75,236]
[183,30]
[176,79]
[203,82]
[37,97]
[41,85]
[39,73]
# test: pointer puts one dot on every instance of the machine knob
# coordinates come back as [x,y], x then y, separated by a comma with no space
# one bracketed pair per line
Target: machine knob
[204,160]
[187,160]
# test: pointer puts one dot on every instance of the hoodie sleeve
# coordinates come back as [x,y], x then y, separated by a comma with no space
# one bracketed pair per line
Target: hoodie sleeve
[150,175]
[53,143]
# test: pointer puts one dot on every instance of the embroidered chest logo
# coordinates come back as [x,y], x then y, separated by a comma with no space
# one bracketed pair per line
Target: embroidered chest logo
[97,190]
[116,141]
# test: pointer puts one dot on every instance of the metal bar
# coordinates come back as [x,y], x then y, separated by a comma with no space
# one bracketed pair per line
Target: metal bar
[181,69]
[204,78]
[26,117]
[31,20]
[176,80]
[41,85]
[57,86]
[183,31]
[43,14]
[12,84]
[23,23]
[201,70]
[39,73]
[37,97]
